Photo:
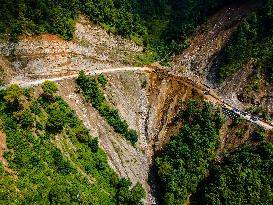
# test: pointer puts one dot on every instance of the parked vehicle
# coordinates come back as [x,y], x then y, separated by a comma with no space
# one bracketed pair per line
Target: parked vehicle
[236,110]
[243,113]
[206,92]
[254,118]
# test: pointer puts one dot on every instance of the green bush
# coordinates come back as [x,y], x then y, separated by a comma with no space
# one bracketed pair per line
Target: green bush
[125,195]
[25,118]
[57,118]
[259,135]
[102,80]
[131,136]
[82,134]
[62,165]
[14,97]
[94,144]
[49,87]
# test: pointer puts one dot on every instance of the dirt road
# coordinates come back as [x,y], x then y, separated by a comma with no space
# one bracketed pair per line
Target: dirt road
[211,97]
[93,72]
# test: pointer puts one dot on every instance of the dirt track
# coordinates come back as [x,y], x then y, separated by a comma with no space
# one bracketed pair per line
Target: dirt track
[211,97]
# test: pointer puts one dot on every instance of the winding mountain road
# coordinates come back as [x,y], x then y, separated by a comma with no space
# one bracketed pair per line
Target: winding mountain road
[93,72]
[211,97]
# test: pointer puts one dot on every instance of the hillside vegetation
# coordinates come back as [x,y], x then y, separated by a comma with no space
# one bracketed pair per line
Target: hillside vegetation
[187,166]
[51,157]
[162,26]
[252,42]
[245,177]
[185,160]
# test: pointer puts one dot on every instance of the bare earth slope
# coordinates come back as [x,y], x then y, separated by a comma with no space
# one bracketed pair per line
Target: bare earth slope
[210,38]
[47,55]
[196,61]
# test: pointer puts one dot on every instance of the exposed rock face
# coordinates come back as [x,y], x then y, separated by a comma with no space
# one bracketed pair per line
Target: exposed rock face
[47,55]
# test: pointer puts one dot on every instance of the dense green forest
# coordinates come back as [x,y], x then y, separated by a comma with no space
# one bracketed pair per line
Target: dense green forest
[162,26]
[51,157]
[186,158]
[252,42]
[245,177]
[186,166]
[92,91]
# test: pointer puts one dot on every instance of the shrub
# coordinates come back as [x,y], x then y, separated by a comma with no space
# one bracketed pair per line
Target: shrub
[100,165]
[131,136]
[49,87]
[62,165]
[56,118]
[259,135]
[94,144]
[102,80]
[82,134]
[127,194]
[25,118]
[14,97]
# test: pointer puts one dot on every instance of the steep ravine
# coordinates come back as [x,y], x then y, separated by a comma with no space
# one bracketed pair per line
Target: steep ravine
[148,102]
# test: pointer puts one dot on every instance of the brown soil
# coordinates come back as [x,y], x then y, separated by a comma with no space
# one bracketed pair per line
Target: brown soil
[5,70]
[3,145]
[235,136]
[3,148]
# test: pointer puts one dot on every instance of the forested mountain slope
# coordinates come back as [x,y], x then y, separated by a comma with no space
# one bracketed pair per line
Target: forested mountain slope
[162,26]
[192,172]
[50,158]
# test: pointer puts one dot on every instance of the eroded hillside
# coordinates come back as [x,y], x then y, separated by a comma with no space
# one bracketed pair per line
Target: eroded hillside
[48,55]
[200,61]
[210,39]
[148,102]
